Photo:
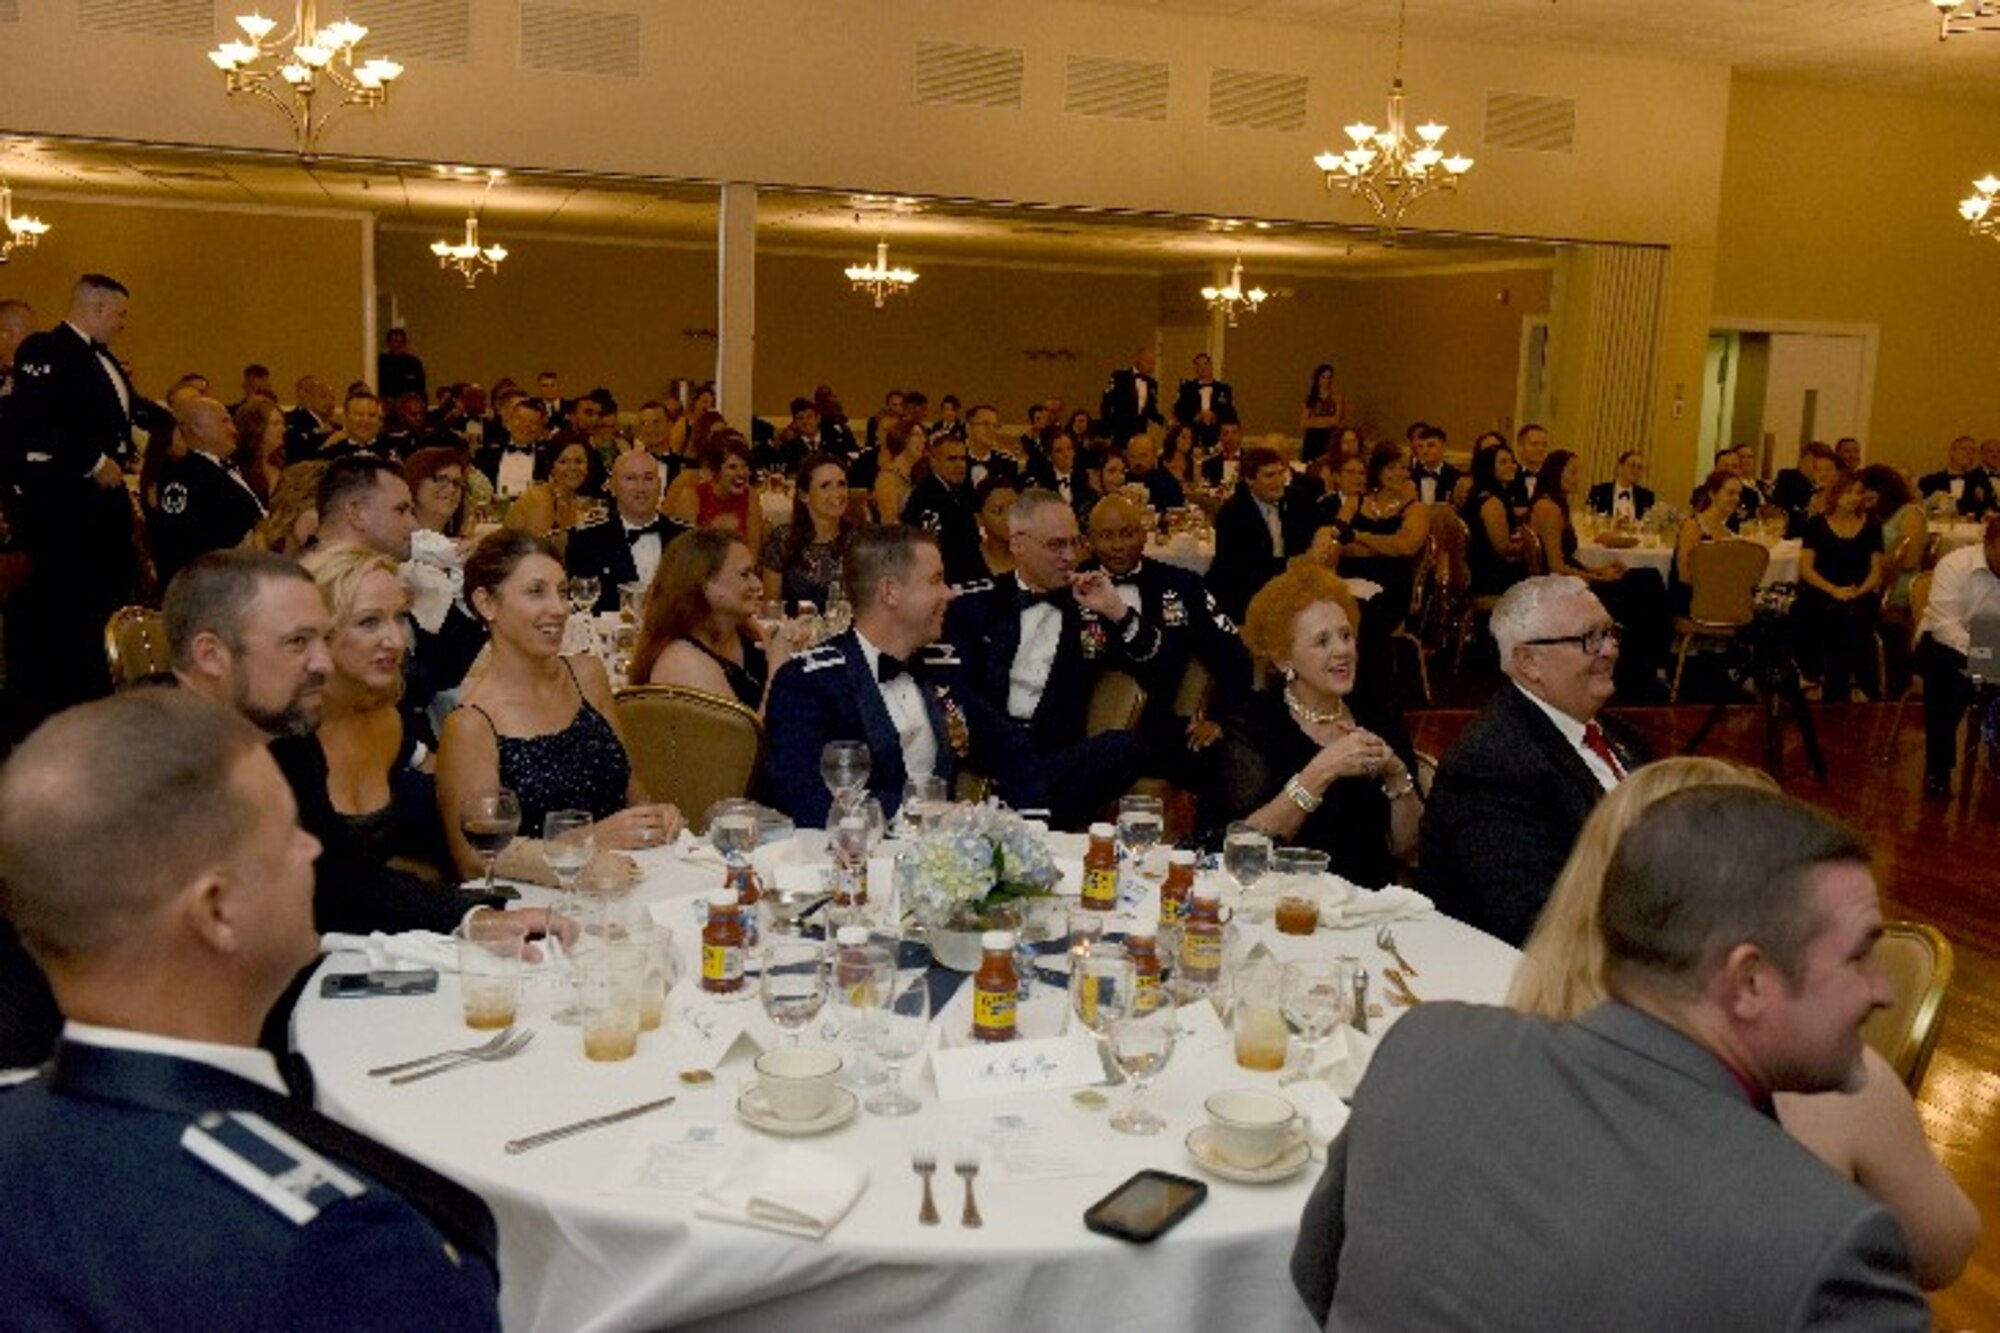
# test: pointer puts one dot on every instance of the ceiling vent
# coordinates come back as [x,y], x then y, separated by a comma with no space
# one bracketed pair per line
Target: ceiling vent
[149,18]
[1530,122]
[1118,89]
[563,39]
[434,30]
[954,74]
[1254,99]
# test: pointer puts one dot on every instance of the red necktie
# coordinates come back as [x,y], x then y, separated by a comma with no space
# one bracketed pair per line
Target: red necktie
[1593,737]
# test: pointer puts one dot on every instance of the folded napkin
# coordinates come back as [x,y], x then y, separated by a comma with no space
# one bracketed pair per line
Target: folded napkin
[524,863]
[1375,907]
[696,851]
[387,953]
[790,1189]
[434,577]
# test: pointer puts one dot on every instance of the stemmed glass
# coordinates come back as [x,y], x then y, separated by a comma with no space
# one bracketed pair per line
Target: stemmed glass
[1141,823]
[489,820]
[1246,854]
[794,984]
[1142,1044]
[1101,983]
[583,592]
[1317,994]
[569,840]
[901,1021]
[844,767]
[923,800]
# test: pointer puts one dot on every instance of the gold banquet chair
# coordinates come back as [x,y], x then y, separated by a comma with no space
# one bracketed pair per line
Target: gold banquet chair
[135,646]
[690,747]
[1917,959]
[1723,577]
[1116,701]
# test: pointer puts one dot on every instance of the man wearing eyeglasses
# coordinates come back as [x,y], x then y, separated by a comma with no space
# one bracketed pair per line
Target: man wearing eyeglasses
[1513,793]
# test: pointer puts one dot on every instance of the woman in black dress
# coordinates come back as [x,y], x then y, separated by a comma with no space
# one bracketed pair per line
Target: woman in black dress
[1309,759]
[1324,413]
[1840,592]
[1390,530]
[699,628]
[1636,598]
[802,557]
[1495,550]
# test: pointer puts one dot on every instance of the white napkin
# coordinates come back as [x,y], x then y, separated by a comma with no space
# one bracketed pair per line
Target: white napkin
[411,948]
[789,1189]
[1363,589]
[434,576]
[696,851]
[1373,908]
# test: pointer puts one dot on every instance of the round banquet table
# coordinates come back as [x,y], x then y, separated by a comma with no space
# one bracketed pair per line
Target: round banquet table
[1190,553]
[576,1257]
[1784,566]
[1953,534]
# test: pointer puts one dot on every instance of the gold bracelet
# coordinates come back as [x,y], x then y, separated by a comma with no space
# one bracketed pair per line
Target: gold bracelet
[1296,792]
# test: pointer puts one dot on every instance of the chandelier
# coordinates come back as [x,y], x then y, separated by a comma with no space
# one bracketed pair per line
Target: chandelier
[1387,167]
[1229,299]
[309,62]
[878,279]
[467,256]
[16,233]
[1956,17]
[1977,209]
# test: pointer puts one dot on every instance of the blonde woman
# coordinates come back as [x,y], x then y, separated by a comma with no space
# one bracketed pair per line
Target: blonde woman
[1872,1135]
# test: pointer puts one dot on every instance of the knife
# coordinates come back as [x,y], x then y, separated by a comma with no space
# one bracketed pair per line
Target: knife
[595,1122]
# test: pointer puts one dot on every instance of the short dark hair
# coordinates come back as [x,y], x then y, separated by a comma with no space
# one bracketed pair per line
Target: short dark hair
[877,553]
[1382,457]
[349,477]
[1709,868]
[498,555]
[256,368]
[362,394]
[212,594]
[602,397]
[1258,457]
[98,282]
[801,405]
[1522,433]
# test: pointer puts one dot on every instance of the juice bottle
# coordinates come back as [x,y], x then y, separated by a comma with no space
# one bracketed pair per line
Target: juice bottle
[1146,994]
[1174,891]
[995,988]
[742,881]
[1100,871]
[1201,939]
[722,945]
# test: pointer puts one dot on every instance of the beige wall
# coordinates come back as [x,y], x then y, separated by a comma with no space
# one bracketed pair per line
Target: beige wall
[1841,207]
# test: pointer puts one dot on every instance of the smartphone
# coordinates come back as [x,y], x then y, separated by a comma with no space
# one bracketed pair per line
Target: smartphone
[1145,1207]
[358,985]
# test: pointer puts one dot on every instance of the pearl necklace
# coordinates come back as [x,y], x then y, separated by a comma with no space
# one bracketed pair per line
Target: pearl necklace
[1313,717]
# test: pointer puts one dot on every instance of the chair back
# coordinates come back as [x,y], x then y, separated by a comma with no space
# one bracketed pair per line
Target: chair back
[1917,959]
[1920,600]
[690,747]
[1197,690]
[1116,701]
[1724,577]
[135,645]
[1448,533]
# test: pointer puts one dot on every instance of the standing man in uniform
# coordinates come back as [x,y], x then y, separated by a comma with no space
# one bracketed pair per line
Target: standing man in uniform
[1131,400]
[1204,403]
[205,503]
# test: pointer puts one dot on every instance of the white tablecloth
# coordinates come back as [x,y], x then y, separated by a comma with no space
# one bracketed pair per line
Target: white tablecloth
[777,506]
[1184,551]
[575,1258]
[1953,535]
[1784,566]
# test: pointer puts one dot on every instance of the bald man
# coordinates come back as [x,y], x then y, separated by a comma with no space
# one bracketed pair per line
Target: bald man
[205,504]
[628,548]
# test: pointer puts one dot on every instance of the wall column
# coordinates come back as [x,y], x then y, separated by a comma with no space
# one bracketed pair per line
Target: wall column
[736,302]
[368,316]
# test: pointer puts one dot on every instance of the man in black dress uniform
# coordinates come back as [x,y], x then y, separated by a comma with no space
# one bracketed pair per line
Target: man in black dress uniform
[308,424]
[942,504]
[68,430]
[1970,489]
[627,548]
[160,1174]
[399,370]
[205,504]
[1131,400]
[1204,403]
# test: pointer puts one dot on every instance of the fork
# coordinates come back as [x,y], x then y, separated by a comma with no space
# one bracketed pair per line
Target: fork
[511,1048]
[968,1171]
[493,1043]
[923,1161]
[1400,992]
[1385,940]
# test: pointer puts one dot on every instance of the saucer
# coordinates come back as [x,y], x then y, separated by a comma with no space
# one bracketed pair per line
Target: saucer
[1290,1162]
[752,1108]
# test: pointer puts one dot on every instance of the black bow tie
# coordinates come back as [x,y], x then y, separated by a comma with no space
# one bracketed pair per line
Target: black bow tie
[520,448]
[888,667]
[654,529]
[1029,597]
[1129,579]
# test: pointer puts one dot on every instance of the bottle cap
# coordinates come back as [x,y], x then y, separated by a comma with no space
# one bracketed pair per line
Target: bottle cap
[1002,940]
[1103,831]
[724,898]
[1208,892]
[851,936]
[1180,856]
[1133,937]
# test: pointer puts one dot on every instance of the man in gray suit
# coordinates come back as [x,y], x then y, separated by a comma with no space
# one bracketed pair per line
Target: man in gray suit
[1626,1170]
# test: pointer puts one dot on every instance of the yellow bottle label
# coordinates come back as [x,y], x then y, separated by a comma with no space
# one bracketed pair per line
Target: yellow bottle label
[1100,888]
[1201,953]
[721,962]
[1173,911]
[1146,995]
[993,1012]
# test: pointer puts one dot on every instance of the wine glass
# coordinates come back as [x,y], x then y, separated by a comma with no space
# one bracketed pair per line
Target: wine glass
[1246,854]
[839,613]
[900,1023]
[769,619]
[923,800]
[1317,994]
[1101,983]
[489,820]
[844,767]
[583,591]
[1142,1044]
[1141,822]
[569,840]
[794,984]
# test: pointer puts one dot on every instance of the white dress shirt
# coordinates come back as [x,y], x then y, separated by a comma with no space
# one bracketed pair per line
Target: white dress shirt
[1140,390]
[1623,505]
[645,551]
[245,1062]
[1572,731]
[516,472]
[1028,676]
[904,699]
[1963,589]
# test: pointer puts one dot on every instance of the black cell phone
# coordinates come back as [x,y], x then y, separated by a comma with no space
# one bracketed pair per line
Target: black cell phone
[359,985]
[1145,1207]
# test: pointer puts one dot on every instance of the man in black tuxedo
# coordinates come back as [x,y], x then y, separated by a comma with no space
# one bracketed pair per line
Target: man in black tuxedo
[1434,478]
[548,396]
[1623,496]
[1224,467]
[362,421]
[1258,529]
[68,431]
[1531,450]
[889,682]
[985,455]
[626,549]
[1970,489]
[1796,489]
[941,503]
[399,370]
[516,462]
[1205,402]
[1511,796]
[1740,462]
[1131,400]
[205,502]
[1034,643]
[833,423]
[310,422]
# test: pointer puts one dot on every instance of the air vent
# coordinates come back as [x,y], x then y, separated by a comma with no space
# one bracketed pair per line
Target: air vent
[567,40]
[1530,122]
[149,18]
[1119,89]
[1252,99]
[434,30]
[954,74]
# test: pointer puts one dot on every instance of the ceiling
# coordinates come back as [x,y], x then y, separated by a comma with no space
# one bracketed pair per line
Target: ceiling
[1885,44]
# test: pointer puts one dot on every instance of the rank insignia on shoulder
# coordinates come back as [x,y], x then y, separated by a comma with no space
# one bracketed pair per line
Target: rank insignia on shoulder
[941,654]
[820,658]
[270,1165]
[174,498]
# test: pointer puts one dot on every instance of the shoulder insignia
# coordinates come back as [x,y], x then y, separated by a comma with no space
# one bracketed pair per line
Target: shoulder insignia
[820,659]
[174,498]
[941,654]
[972,586]
[270,1165]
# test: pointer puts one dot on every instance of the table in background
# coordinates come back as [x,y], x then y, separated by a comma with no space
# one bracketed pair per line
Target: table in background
[1952,535]
[1784,566]
[1187,552]
[573,1258]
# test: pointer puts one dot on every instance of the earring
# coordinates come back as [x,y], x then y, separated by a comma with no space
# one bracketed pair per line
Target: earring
[1290,675]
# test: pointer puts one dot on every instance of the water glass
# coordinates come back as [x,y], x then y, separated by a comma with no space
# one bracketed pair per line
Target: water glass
[1246,854]
[489,969]
[1142,1044]
[794,984]
[569,841]
[583,593]
[1101,983]
[924,799]
[900,1026]
[1318,997]
[844,767]
[609,981]
[662,971]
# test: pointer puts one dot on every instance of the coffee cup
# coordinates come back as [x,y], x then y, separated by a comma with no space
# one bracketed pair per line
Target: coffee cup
[1249,1129]
[798,1083]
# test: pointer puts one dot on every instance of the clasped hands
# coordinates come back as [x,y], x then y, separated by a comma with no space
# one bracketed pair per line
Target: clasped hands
[639,826]
[1353,754]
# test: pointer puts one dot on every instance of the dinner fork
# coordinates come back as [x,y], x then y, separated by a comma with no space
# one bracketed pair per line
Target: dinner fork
[923,1161]
[505,1051]
[493,1043]
[1400,990]
[1385,940]
[968,1170]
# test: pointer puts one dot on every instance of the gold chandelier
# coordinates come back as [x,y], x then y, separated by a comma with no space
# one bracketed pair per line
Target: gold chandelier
[878,279]
[16,233]
[1957,17]
[310,75]
[468,256]
[1978,209]
[1233,297]
[1387,167]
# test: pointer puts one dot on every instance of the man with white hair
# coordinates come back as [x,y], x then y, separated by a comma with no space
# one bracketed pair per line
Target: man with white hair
[1512,794]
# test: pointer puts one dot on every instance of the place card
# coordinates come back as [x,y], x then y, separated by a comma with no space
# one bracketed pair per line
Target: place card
[965,1072]
[680,1160]
[700,1027]
[1025,1147]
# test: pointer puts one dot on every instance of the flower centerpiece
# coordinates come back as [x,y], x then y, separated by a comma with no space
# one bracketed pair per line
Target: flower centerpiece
[966,872]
